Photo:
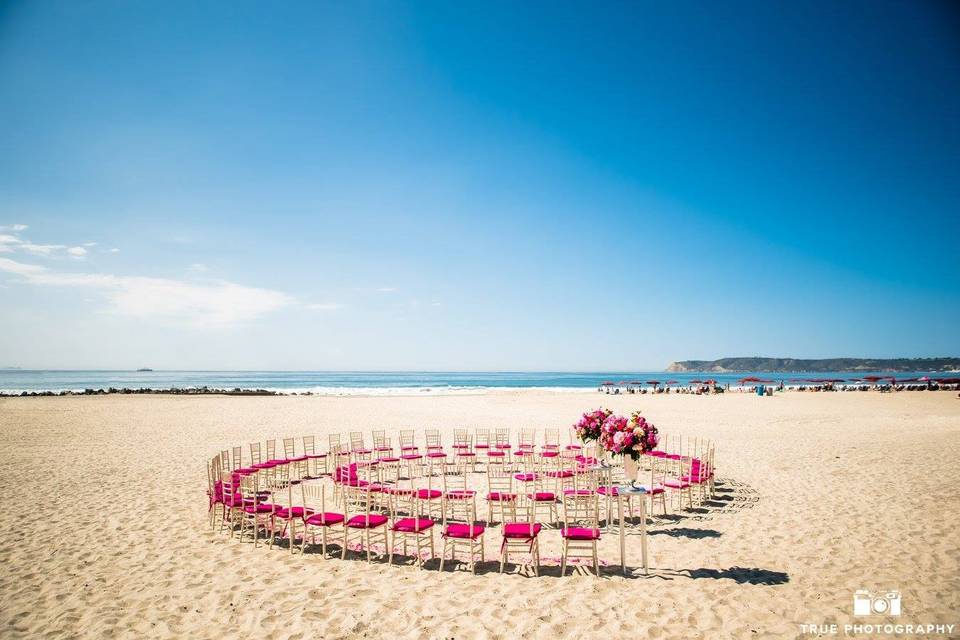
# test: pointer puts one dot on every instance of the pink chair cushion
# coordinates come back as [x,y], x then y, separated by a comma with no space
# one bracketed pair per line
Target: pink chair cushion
[436,454]
[465,531]
[261,507]
[676,484]
[563,473]
[411,525]
[429,494]
[495,454]
[411,456]
[549,454]
[608,491]
[521,530]
[525,477]
[464,454]
[573,447]
[497,496]
[544,496]
[481,446]
[503,446]
[389,459]
[365,522]
[580,533]
[325,519]
[313,456]
[361,451]
[295,512]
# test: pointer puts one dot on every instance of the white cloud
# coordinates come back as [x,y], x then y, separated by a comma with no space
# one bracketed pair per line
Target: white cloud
[13,227]
[114,250]
[325,306]
[199,267]
[11,266]
[89,244]
[77,252]
[209,305]
[41,249]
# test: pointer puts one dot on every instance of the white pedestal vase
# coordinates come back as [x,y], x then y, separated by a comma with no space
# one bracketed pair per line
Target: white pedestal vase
[631,469]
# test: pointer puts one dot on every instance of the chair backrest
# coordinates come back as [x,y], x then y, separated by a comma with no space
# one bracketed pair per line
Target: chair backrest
[524,512]
[528,438]
[502,435]
[315,496]
[356,440]
[289,448]
[460,436]
[551,438]
[454,480]
[309,445]
[408,439]
[462,509]
[581,510]
[236,457]
[256,457]
[433,439]
[586,480]
[271,449]
[499,480]
[380,439]
[333,440]
[481,437]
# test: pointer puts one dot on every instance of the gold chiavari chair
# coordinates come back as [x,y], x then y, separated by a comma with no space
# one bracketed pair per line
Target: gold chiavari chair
[315,500]
[461,531]
[417,525]
[581,529]
[365,520]
[521,534]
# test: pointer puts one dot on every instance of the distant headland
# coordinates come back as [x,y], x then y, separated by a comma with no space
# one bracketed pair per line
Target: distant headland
[796,365]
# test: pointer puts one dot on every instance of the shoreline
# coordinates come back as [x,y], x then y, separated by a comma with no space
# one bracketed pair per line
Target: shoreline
[423,392]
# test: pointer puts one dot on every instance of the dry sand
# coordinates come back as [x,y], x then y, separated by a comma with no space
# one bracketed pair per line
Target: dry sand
[105,531]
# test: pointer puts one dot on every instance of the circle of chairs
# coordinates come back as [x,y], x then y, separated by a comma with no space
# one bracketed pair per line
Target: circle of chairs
[380,498]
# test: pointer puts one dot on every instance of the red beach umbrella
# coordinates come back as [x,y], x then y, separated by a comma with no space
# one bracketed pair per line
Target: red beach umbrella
[606,383]
[653,382]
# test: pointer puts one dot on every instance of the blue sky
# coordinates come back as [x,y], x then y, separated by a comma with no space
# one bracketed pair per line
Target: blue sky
[476,186]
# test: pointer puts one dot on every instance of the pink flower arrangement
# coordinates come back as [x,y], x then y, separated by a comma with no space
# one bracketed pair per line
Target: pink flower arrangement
[588,427]
[632,437]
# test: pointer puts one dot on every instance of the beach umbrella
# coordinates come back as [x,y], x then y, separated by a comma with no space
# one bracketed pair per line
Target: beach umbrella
[924,379]
[749,379]
[947,380]
[671,382]
[635,382]
[872,378]
[606,383]
[653,382]
[696,382]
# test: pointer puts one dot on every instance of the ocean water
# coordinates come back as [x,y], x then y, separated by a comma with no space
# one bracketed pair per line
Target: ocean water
[377,382]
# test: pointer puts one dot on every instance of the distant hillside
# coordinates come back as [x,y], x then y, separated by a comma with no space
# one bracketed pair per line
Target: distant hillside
[791,365]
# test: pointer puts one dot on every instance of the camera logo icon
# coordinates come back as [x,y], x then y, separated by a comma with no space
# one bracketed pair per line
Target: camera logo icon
[883,603]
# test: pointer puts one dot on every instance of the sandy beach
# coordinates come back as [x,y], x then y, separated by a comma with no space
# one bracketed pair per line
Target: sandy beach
[107,535]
